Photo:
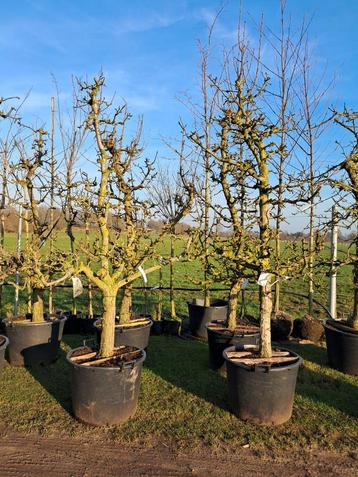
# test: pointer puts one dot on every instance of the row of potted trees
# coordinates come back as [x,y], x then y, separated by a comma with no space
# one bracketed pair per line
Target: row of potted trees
[117,258]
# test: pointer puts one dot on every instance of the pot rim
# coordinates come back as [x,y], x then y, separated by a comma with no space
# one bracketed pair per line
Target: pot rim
[125,365]
[261,367]
[225,303]
[149,323]
[4,345]
[13,324]
[326,324]
[251,333]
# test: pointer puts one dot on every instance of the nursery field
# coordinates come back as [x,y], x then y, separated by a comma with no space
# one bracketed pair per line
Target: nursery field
[182,409]
[189,275]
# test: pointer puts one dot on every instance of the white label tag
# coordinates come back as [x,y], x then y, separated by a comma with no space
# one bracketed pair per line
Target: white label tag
[142,272]
[77,287]
[263,279]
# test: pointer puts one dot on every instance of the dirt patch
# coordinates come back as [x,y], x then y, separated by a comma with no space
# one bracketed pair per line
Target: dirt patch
[28,456]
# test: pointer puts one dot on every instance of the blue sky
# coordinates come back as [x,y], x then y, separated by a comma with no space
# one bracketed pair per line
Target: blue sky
[148,49]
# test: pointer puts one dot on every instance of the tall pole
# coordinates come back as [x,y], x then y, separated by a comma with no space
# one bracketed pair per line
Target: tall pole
[333,274]
[52,194]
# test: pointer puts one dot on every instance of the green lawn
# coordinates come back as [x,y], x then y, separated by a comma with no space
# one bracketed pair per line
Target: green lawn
[184,403]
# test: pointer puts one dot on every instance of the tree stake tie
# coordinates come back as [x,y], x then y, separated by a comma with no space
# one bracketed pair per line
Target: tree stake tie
[142,272]
[77,287]
[263,278]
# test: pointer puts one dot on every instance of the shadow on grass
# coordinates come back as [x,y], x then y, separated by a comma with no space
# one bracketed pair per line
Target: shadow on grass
[185,365]
[56,377]
[325,385]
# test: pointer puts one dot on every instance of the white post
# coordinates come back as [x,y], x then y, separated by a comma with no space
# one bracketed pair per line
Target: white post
[333,274]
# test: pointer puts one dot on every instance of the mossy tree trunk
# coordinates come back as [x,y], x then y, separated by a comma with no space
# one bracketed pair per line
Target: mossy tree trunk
[108,323]
[264,258]
[233,302]
[37,306]
[126,305]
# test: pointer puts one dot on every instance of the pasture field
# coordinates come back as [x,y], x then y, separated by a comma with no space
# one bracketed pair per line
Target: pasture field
[189,275]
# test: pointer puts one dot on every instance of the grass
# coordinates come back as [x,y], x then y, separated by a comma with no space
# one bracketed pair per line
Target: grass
[183,403]
[188,275]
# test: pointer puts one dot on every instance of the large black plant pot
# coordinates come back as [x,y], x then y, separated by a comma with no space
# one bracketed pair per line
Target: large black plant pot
[137,336]
[34,343]
[79,324]
[4,341]
[200,315]
[342,347]
[219,340]
[261,394]
[157,327]
[105,395]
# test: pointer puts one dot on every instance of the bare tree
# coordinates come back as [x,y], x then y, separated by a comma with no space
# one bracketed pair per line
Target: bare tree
[168,196]
[348,185]
[122,176]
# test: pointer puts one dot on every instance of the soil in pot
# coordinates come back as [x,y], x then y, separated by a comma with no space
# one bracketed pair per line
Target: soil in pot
[220,338]
[105,390]
[200,315]
[34,343]
[260,390]
[342,346]
[136,333]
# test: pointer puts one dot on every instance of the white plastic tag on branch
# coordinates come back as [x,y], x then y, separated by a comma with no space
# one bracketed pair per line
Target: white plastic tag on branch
[77,287]
[142,272]
[263,279]
[245,284]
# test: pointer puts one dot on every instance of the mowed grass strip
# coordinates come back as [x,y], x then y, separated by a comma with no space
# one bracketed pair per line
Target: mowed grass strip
[183,403]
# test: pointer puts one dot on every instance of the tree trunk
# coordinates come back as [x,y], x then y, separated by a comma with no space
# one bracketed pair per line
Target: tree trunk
[37,307]
[264,256]
[311,259]
[108,324]
[265,320]
[160,296]
[354,320]
[171,279]
[233,300]
[126,305]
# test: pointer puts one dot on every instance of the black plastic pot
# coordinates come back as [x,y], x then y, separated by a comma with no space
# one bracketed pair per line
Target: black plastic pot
[200,315]
[132,336]
[171,327]
[2,352]
[79,324]
[105,396]
[342,347]
[72,325]
[34,343]
[157,327]
[218,341]
[261,394]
